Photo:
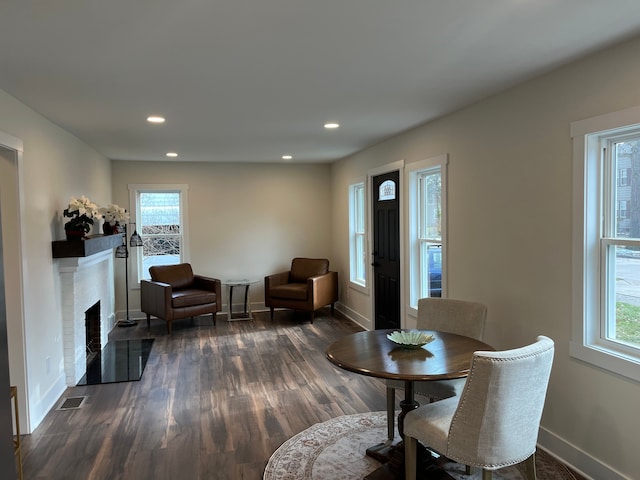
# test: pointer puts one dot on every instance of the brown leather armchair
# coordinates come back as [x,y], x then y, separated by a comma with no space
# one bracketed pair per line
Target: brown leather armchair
[174,292]
[308,286]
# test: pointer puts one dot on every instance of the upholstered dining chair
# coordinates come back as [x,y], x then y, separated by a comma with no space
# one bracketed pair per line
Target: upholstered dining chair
[445,315]
[494,422]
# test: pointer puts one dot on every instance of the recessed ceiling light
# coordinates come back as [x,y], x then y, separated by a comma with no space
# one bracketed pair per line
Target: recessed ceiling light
[155,119]
[287,157]
[331,125]
[172,154]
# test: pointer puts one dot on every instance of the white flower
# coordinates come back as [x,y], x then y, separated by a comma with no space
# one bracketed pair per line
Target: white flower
[114,214]
[84,206]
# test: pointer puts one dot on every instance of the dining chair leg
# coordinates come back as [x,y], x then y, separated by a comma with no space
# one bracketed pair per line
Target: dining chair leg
[391,413]
[410,457]
[486,474]
[530,466]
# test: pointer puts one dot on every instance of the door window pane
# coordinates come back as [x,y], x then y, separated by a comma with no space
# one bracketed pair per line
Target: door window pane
[387,190]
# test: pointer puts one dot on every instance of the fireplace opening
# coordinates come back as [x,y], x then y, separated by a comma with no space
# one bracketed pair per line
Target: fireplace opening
[92,331]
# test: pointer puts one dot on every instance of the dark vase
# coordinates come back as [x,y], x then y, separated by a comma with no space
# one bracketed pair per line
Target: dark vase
[109,229]
[74,234]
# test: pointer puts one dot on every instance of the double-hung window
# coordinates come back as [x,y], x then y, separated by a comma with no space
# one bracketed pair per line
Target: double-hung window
[357,239]
[606,286]
[427,219]
[160,219]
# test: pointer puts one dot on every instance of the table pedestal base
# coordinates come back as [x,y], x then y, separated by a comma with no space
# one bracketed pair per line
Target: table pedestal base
[391,455]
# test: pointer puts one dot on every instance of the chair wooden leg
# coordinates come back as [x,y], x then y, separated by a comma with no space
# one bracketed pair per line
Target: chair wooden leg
[486,474]
[468,470]
[530,466]
[272,313]
[391,412]
[312,315]
[213,318]
[148,321]
[168,327]
[410,457]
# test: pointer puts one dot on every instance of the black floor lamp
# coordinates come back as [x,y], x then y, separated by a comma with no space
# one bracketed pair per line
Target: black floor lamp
[123,252]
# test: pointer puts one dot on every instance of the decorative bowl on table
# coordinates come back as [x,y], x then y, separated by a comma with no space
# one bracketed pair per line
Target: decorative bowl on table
[410,339]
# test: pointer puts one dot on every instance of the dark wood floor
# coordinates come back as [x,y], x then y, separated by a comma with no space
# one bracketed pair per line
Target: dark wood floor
[213,402]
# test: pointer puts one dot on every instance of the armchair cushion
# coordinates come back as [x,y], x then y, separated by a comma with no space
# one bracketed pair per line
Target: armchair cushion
[293,291]
[178,276]
[189,297]
[303,268]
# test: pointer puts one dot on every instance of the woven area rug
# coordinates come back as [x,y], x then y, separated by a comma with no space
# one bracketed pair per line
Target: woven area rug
[335,450]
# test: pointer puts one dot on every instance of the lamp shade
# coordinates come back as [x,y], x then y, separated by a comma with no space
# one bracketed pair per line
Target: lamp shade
[136,239]
[122,251]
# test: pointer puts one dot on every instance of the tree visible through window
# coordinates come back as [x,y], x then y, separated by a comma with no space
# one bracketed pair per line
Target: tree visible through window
[160,228]
[161,224]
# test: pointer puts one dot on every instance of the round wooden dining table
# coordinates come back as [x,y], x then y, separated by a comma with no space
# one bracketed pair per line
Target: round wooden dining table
[371,353]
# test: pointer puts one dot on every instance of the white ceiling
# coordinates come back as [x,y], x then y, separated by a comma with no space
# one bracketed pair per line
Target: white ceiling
[251,80]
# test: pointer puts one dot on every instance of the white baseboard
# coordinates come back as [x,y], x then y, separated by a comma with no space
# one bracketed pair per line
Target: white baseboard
[580,461]
[354,316]
[39,410]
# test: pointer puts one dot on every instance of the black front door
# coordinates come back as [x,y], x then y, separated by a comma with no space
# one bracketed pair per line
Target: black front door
[386,250]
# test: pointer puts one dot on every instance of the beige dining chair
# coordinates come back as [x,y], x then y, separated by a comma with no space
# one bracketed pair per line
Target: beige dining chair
[494,423]
[445,315]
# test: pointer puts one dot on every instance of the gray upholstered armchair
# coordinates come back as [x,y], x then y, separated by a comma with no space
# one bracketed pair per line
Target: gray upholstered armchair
[494,422]
[174,292]
[307,286]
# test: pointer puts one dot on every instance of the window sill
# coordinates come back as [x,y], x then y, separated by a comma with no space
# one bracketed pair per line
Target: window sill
[358,288]
[609,360]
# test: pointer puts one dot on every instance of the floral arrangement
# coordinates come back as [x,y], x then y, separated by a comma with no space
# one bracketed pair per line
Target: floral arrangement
[113,214]
[82,211]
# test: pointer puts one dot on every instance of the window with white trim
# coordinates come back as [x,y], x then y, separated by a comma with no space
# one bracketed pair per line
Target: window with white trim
[606,323]
[427,219]
[159,214]
[357,238]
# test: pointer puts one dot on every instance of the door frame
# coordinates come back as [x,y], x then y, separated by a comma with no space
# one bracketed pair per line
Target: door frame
[16,326]
[390,167]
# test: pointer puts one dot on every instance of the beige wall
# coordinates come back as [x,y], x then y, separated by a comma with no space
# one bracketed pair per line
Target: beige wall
[55,166]
[245,220]
[510,211]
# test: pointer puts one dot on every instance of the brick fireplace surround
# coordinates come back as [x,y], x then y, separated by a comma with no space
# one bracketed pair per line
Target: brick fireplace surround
[83,282]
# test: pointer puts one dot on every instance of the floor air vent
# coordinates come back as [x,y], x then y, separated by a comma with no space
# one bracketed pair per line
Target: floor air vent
[71,403]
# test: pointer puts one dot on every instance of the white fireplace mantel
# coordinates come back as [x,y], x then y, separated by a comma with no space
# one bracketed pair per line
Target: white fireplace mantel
[83,282]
